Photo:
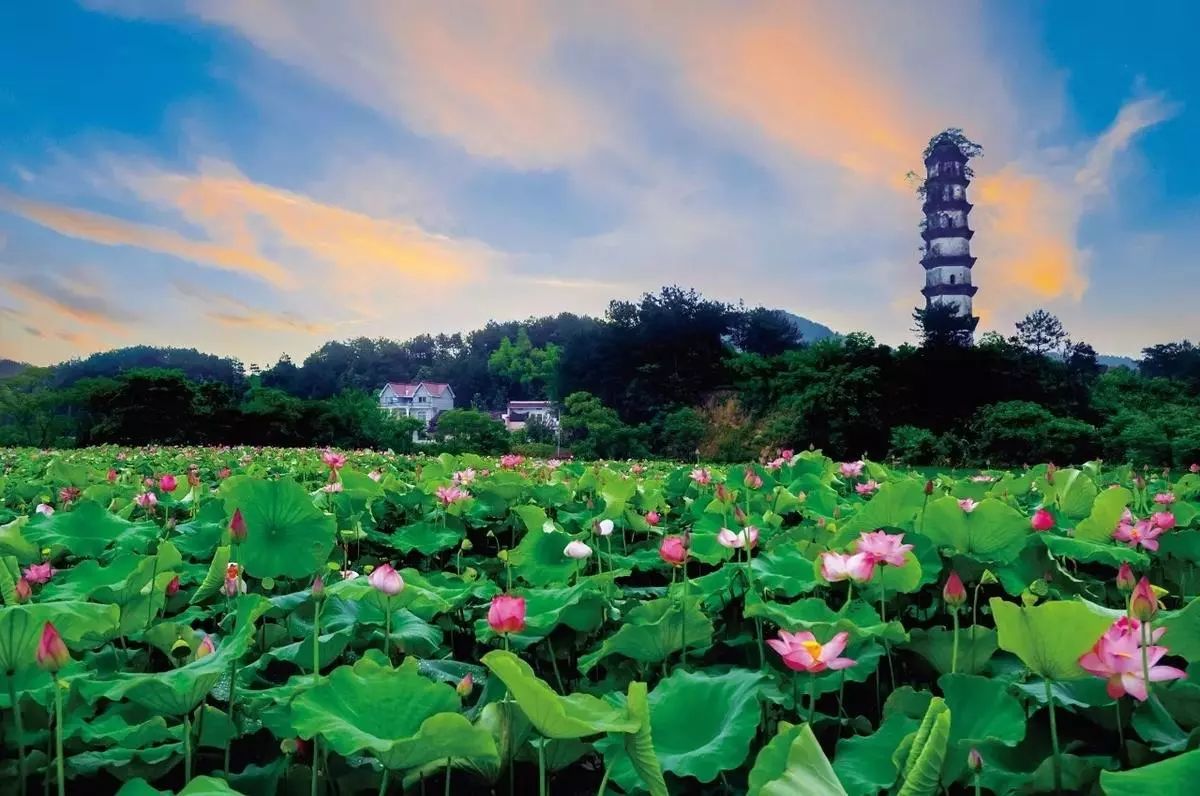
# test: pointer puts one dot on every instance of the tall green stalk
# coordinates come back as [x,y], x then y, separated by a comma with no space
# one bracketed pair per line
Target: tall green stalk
[542,768]
[812,698]
[187,747]
[387,629]
[683,618]
[316,664]
[1054,739]
[20,727]
[58,736]
[954,649]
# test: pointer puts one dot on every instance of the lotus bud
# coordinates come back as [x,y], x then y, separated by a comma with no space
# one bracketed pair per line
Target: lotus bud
[974,760]
[112,476]
[466,546]
[506,614]
[739,516]
[577,550]
[1143,604]
[954,593]
[173,587]
[653,518]
[604,528]
[386,580]
[673,551]
[929,487]
[318,588]
[23,590]
[1125,579]
[237,526]
[752,480]
[465,686]
[52,653]
[167,483]
[1042,520]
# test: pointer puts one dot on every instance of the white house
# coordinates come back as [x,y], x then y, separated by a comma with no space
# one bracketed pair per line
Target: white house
[518,414]
[424,399]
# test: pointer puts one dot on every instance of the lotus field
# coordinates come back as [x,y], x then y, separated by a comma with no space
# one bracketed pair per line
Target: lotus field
[265,621]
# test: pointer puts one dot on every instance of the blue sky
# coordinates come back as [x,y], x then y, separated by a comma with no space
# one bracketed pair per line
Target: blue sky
[256,178]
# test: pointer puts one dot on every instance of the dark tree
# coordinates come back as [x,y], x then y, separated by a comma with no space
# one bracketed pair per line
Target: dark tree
[941,326]
[766,332]
[1041,333]
[1173,361]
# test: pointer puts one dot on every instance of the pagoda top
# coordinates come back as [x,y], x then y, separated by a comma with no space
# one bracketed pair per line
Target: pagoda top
[943,150]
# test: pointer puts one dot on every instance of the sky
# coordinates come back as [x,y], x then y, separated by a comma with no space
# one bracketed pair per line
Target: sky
[255,178]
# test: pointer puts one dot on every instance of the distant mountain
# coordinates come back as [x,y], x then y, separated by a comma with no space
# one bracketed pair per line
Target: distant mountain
[10,367]
[811,330]
[1113,361]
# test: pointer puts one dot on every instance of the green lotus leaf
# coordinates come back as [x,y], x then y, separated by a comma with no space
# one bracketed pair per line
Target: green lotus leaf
[177,691]
[895,505]
[976,646]
[287,536]
[13,543]
[214,578]
[980,710]
[426,538]
[398,715]
[1049,638]
[1084,550]
[639,745]
[534,518]
[703,724]
[82,626]
[993,532]
[199,537]
[1175,776]
[580,607]
[785,570]
[1106,511]
[538,558]
[864,764]
[927,753]
[813,613]
[122,762]
[86,530]
[1074,492]
[653,631]
[554,716]
[1183,631]
[208,786]
[793,764]
[140,787]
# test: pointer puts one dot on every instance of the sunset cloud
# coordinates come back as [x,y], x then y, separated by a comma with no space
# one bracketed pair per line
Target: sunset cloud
[67,300]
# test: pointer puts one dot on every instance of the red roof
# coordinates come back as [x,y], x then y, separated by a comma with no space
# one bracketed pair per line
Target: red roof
[407,390]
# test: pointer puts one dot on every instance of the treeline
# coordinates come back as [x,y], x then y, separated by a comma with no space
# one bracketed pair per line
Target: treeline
[673,374]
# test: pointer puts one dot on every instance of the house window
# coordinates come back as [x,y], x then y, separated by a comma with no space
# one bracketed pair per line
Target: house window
[952,279]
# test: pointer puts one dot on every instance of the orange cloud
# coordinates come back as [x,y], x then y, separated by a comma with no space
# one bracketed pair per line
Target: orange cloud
[252,215]
[269,322]
[66,303]
[480,78]
[110,231]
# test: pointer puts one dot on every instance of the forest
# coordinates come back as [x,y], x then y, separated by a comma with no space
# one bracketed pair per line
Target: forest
[673,375]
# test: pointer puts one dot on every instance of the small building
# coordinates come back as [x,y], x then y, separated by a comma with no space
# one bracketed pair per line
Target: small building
[424,400]
[518,414]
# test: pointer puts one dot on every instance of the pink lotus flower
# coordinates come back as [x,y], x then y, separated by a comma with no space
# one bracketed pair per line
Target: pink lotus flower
[506,614]
[112,476]
[673,550]
[193,477]
[604,528]
[881,546]
[752,480]
[1042,520]
[1164,520]
[801,652]
[868,488]
[1143,532]
[52,653]
[37,574]
[786,454]
[577,550]
[1195,468]
[859,567]
[334,461]
[652,518]
[776,464]
[45,509]
[968,505]
[224,473]
[24,590]
[637,469]
[147,500]
[464,477]
[1117,657]
[375,475]
[701,476]
[1164,498]
[173,587]
[207,646]
[451,494]
[465,686]
[167,483]
[954,593]
[851,469]
[69,494]
[746,538]
[234,585]
[511,461]
[386,580]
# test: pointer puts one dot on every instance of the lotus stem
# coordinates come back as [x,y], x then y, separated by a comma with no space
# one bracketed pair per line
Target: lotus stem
[153,577]
[20,727]
[232,719]
[604,781]
[1120,732]
[812,698]
[683,617]
[446,790]
[542,768]
[1054,739]
[554,665]
[187,747]
[58,735]
[954,648]
[387,630]
[887,645]
[316,680]
[1145,656]
[383,783]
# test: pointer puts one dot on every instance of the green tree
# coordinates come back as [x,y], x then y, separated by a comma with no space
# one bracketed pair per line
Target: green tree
[680,434]
[1014,433]
[942,325]
[1041,333]
[535,369]
[469,430]
[595,431]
